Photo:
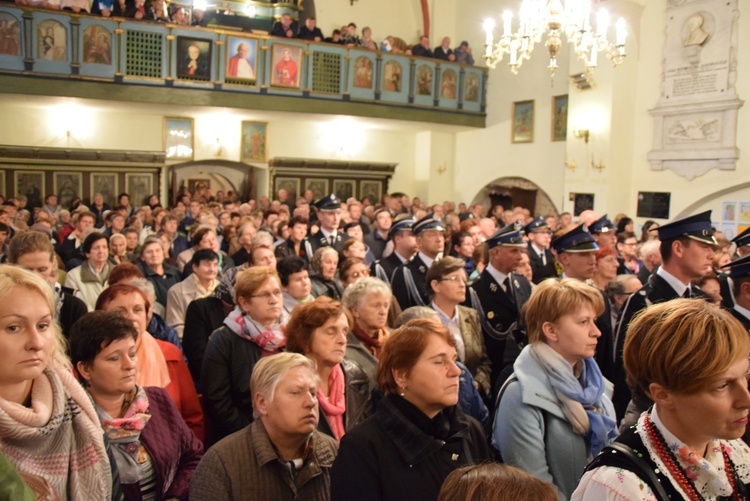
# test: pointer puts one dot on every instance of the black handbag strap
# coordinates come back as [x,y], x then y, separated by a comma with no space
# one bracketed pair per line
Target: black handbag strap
[620,455]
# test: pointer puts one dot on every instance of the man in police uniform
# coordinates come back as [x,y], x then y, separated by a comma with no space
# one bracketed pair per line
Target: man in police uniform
[686,252]
[576,251]
[739,272]
[498,295]
[603,231]
[742,241]
[329,217]
[540,257]
[404,247]
[742,244]
[408,281]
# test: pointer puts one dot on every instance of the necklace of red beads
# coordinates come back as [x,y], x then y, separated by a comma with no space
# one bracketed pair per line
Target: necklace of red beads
[678,473]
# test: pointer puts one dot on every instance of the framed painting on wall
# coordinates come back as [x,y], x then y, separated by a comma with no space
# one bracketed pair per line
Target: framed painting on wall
[290,184]
[138,186]
[67,186]
[30,184]
[286,62]
[106,185]
[241,58]
[254,140]
[178,138]
[371,190]
[343,188]
[523,122]
[559,117]
[193,58]
[319,187]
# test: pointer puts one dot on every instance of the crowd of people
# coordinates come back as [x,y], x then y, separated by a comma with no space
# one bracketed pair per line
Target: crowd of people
[388,349]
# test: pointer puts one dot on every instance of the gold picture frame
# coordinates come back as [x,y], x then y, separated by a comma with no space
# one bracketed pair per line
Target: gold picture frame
[179,141]
[559,118]
[522,127]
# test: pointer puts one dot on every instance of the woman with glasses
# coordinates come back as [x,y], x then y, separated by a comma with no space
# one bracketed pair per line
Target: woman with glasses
[254,329]
[446,281]
[353,269]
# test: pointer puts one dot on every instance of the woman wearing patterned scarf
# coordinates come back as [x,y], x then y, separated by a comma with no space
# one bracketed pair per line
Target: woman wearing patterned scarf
[691,359]
[49,429]
[254,329]
[155,451]
[553,414]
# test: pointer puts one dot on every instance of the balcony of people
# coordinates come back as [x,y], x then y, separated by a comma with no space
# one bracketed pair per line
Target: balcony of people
[232,49]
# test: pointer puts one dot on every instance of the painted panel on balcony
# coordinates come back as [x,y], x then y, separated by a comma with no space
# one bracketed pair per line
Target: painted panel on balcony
[471,85]
[51,43]
[97,39]
[424,82]
[285,61]
[194,62]
[393,79]
[11,39]
[448,86]
[362,76]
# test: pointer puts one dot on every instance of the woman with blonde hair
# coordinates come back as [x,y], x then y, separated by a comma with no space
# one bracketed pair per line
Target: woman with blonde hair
[553,415]
[691,359]
[49,429]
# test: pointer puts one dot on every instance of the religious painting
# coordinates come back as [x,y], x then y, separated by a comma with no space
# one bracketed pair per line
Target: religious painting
[67,186]
[10,35]
[138,186]
[522,130]
[197,184]
[178,138]
[371,190]
[392,76]
[424,80]
[729,230]
[286,63]
[363,73]
[344,189]
[193,58]
[290,184]
[106,186]
[97,45]
[254,141]
[729,211]
[318,187]
[51,41]
[241,58]
[30,184]
[448,84]
[559,117]
[744,212]
[582,202]
[471,91]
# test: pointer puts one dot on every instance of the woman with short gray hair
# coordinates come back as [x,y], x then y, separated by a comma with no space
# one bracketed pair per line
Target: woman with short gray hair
[323,266]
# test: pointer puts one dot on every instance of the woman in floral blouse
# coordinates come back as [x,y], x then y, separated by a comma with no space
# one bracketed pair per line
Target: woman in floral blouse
[691,359]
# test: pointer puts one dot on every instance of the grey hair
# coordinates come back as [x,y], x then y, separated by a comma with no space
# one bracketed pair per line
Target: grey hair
[650,247]
[268,372]
[318,255]
[617,285]
[146,287]
[356,292]
[413,313]
[263,237]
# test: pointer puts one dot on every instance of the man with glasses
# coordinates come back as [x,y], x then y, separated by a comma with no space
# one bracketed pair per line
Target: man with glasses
[540,257]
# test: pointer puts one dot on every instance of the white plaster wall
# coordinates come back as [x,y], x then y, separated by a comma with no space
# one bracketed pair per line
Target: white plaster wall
[401,18]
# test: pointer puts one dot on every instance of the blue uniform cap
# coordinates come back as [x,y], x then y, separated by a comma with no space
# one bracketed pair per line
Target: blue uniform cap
[739,268]
[331,202]
[401,225]
[697,227]
[602,225]
[576,240]
[508,236]
[536,224]
[429,222]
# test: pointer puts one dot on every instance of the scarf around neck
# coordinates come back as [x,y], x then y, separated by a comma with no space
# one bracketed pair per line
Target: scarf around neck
[581,401]
[334,404]
[151,365]
[125,433]
[57,438]
[270,339]
[374,344]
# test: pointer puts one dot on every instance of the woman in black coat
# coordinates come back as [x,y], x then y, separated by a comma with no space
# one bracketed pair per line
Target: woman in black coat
[418,435]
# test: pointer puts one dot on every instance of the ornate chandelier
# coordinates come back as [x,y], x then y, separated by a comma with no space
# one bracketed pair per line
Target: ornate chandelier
[539,18]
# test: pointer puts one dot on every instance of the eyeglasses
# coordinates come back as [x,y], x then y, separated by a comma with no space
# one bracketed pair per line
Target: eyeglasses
[266,296]
[454,279]
[357,274]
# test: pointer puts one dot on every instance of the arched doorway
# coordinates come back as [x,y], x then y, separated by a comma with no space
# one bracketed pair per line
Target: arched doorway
[510,192]
[221,175]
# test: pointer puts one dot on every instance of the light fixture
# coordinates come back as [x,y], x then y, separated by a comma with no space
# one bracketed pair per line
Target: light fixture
[597,165]
[549,17]
[571,165]
[582,134]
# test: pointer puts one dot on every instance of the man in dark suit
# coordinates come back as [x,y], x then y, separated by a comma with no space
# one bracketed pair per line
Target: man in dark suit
[408,282]
[404,247]
[739,272]
[498,295]
[329,216]
[686,252]
[541,258]
[576,254]
[284,27]
[742,242]
[651,257]
[378,238]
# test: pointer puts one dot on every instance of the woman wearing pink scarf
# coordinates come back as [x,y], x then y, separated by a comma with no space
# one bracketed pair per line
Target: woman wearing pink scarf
[318,330]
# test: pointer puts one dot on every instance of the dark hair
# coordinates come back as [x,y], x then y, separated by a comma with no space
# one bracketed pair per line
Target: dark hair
[622,223]
[347,264]
[456,240]
[299,220]
[645,229]
[4,228]
[123,194]
[442,267]
[203,255]
[665,247]
[124,271]
[354,224]
[199,234]
[289,266]
[95,331]
[494,482]
[624,235]
[309,316]
[91,240]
